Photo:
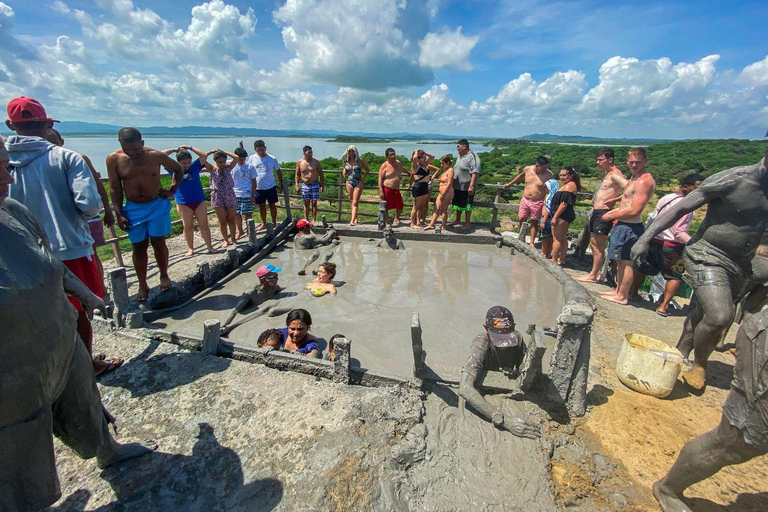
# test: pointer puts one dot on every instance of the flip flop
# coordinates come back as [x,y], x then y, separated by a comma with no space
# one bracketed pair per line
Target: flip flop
[665,314]
[115,362]
[99,356]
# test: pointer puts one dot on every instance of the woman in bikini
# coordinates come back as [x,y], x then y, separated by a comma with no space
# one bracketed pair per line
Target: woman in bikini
[223,197]
[563,213]
[323,283]
[190,198]
[353,174]
[445,196]
[420,178]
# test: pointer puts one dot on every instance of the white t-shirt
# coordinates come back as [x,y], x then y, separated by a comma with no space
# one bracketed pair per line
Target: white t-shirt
[265,170]
[242,176]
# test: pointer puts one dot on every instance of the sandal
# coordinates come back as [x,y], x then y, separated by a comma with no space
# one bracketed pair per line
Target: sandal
[665,314]
[115,362]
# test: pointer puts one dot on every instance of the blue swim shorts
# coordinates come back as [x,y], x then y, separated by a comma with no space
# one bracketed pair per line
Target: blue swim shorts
[244,206]
[152,219]
[623,238]
[310,192]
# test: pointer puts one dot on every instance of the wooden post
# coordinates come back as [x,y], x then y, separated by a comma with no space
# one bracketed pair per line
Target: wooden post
[118,290]
[211,337]
[418,349]
[252,233]
[341,360]
[116,248]
[287,199]
[340,196]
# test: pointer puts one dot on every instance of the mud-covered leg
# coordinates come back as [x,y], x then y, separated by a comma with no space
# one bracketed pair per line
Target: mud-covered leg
[312,258]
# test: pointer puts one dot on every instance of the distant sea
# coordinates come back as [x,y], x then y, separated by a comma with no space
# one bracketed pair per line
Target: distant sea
[285,149]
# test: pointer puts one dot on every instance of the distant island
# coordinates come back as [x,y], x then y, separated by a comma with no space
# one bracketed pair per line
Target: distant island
[355,139]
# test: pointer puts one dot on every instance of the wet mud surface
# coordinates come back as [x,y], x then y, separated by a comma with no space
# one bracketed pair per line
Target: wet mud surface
[450,285]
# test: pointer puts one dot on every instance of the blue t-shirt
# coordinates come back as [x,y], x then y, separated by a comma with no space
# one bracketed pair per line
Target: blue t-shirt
[308,347]
[190,189]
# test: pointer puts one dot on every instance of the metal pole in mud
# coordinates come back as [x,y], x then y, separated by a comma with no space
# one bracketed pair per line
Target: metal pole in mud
[418,350]
[252,233]
[211,337]
[341,357]
[287,199]
[118,291]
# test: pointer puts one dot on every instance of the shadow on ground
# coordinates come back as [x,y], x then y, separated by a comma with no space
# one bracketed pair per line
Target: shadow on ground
[146,374]
[211,479]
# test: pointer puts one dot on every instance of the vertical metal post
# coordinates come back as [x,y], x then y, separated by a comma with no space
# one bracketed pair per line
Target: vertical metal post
[496,200]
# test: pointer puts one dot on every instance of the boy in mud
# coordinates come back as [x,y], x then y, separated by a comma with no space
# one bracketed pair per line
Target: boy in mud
[500,347]
[309,171]
[306,240]
[390,242]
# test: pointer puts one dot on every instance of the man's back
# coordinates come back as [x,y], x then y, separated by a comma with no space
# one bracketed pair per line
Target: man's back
[58,188]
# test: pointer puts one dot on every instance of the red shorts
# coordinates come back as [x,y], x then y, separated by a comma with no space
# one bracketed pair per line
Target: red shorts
[86,270]
[393,198]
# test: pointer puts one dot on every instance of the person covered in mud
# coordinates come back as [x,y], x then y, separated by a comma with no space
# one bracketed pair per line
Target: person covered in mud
[390,242]
[500,347]
[742,433]
[256,295]
[323,283]
[298,322]
[47,382]
[306,240]
[271,339]
[329,354]
[719,258]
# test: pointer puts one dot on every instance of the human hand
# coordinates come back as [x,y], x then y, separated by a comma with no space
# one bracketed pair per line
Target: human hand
[471,191]
[297,189]
[123,223]
[109,218]
[253,200]
[521,428]
[381,196]
[92,303]
[185,146]
[167,194]
[321,189]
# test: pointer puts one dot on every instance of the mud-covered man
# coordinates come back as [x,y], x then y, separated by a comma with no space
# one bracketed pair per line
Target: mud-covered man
[500,347]
[266,289]
[306,240]
[389,241]
[720,258]
[534,193]
[134,171]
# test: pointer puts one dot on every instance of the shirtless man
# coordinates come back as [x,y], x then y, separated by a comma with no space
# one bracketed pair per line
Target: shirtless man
[389,185]
[390,242]
[606,196]
[308,170]
[720,258]
[638,190]
[532,203]
[146,214]
[306,240]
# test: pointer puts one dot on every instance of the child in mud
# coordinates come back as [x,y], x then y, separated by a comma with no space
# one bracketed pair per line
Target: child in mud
[445,196]
[323,283]
[329,356]
[271,339]
[266,289]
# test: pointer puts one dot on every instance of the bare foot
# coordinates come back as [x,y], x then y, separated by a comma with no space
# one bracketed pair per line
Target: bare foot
[224,244]
[260,227]
[414,226]
[611,297]
[455,223]
[103,366]
[211,250]
[239,235]
[696,377]
[396,222]
[165,284]
[115,452]
[427,228]
[143,293]
[586,279]
[668,501]
[190,252]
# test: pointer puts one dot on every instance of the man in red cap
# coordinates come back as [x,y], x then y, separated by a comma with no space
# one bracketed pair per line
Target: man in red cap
[59,189]
[500,347]
[305,240]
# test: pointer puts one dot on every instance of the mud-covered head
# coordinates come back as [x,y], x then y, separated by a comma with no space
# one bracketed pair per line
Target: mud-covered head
[500,326]
[304,226]
[267,275]
[271,338]
[389,233]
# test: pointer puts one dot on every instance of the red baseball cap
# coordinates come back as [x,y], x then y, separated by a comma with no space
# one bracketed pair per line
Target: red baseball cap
[25,110]
[301,223]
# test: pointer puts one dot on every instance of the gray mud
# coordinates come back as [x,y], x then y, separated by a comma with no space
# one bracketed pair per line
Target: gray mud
[450,285]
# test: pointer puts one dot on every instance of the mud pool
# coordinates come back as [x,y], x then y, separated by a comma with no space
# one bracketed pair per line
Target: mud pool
[450,285]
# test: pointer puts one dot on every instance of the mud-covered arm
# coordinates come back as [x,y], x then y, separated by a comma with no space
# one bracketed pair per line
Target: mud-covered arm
[75,287]
[330,235]
[469,392]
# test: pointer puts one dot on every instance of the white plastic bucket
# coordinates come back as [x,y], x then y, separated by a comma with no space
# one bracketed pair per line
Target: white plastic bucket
[648,366]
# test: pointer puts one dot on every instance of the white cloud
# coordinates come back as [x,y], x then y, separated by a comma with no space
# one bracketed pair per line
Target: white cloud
[561,89]
[365,44]
[756,74]
[447,48]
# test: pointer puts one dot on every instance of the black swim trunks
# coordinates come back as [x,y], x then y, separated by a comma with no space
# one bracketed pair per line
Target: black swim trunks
[420,188]
[462,201]
[596,223]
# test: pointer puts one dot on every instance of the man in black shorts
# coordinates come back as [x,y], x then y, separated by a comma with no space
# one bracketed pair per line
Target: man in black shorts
[465,174]
[743,430]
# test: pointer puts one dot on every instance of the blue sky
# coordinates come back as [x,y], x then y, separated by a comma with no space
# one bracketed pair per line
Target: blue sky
[487,68]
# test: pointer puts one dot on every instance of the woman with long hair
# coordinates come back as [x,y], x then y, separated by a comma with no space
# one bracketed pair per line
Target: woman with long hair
[420,179]
[352,173]
[564,213]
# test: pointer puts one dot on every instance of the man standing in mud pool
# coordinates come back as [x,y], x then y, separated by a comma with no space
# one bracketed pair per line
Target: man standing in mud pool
[500,347]
[532,203]
[146,215]
[308,172]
